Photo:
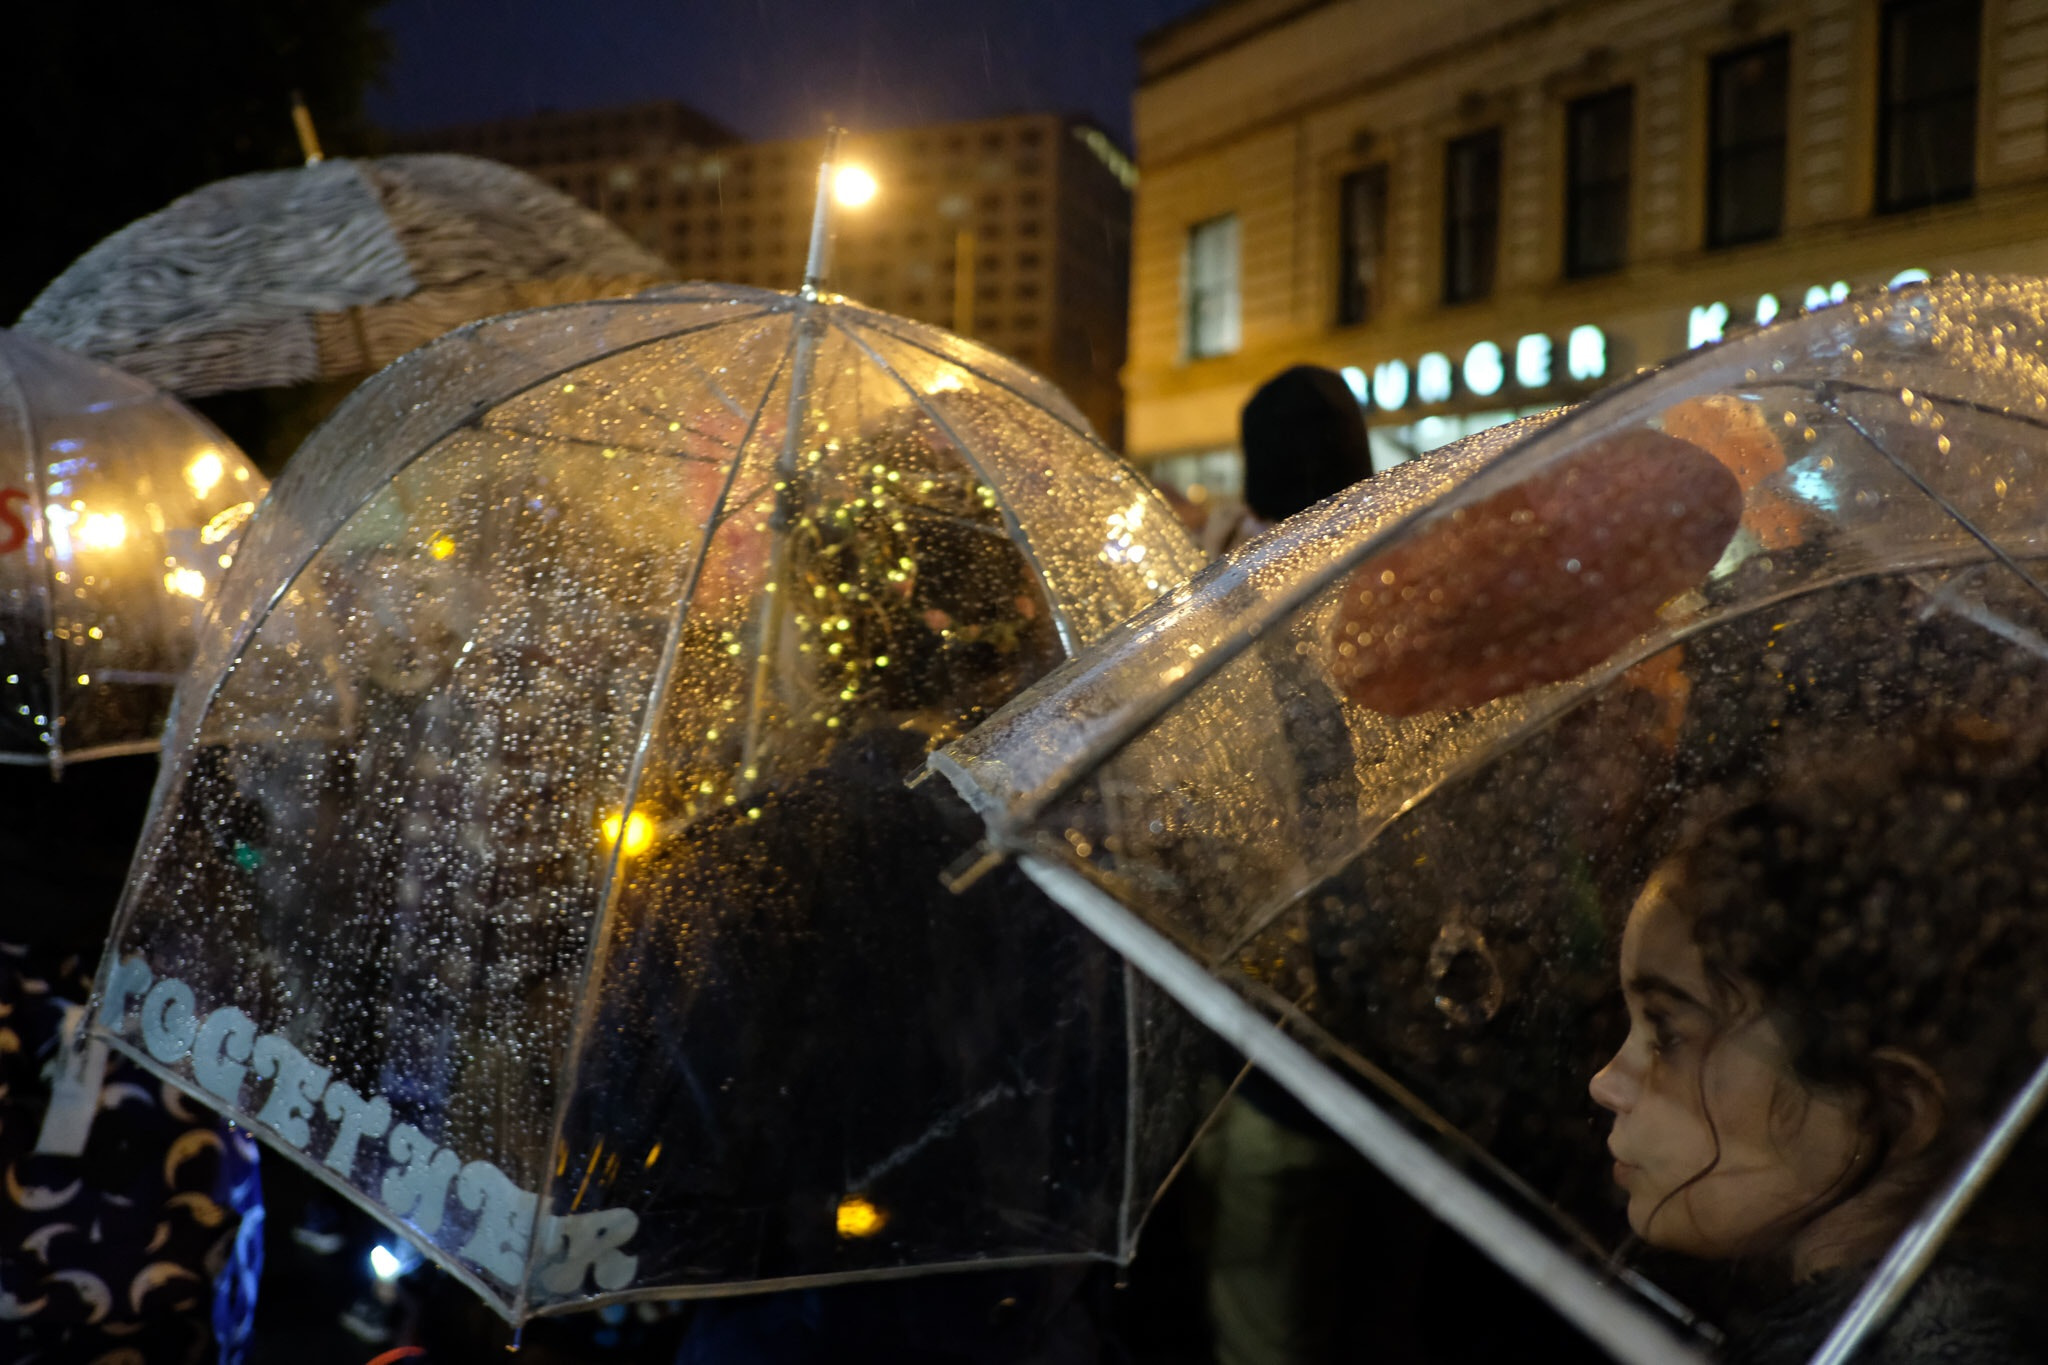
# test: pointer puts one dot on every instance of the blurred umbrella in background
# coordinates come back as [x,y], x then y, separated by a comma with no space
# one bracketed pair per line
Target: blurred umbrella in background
[306,280]
[119,512]
[536,863]
[1798,574]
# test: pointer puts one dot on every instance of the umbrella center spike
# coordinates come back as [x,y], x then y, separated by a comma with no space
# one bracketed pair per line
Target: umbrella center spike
[819,262]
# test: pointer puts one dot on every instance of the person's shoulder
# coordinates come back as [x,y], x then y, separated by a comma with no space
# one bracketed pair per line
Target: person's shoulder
[1961,1312]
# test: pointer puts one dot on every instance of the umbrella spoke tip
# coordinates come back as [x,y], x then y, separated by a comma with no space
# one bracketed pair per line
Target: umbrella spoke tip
[972,866]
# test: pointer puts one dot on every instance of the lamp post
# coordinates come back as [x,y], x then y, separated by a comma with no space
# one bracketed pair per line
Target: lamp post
[954,207]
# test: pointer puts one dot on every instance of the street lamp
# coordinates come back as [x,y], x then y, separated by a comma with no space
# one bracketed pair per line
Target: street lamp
[853,186]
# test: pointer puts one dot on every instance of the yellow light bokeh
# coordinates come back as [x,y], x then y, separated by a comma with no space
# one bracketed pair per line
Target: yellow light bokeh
[102,530]
[440,547]
[225,524]
[204,472]
[858,1217]
[853,186]
[639,832]
[186,583]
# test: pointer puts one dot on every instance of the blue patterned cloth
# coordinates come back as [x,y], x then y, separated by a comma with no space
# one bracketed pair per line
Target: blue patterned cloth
[145,1249]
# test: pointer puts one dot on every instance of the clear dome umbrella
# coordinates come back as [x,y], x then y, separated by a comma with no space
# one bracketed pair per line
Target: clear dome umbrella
[535,861]
[119,511]
[1736,674]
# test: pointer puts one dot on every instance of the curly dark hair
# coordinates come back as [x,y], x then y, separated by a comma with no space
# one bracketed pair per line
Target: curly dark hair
[1894,899]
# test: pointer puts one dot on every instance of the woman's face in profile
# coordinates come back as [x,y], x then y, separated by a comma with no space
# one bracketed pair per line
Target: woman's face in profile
[1723,1150]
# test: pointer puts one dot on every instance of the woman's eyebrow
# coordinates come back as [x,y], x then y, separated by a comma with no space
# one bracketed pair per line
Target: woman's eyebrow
[1651,984]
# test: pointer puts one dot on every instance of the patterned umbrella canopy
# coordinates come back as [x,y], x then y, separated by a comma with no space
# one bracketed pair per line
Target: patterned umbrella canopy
[119,509]
[1735,678]
[328,270]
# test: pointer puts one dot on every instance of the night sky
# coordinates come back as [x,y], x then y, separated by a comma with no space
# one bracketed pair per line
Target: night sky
[767,68]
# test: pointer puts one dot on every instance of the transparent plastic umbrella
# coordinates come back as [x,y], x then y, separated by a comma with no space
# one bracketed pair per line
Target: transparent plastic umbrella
[119,511]
[1395,775]
[535,861]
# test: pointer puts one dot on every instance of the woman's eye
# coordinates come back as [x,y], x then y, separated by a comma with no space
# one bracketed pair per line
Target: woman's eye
[1663,1037]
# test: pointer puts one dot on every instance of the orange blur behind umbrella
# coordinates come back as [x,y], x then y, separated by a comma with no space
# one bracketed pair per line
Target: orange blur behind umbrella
[1537,583]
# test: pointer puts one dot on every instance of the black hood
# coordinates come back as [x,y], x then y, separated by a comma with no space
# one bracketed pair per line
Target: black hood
[1304,439]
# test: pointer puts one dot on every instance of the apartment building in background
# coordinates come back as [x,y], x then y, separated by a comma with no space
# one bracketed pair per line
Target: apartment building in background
[1482,208]
[554,137]
[1014,231]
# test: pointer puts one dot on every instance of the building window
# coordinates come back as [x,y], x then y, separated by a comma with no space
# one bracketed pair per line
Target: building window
[1598,133]
[1927,113]
[1361,244]
[1211,274]
[1471,215]
[1746,144]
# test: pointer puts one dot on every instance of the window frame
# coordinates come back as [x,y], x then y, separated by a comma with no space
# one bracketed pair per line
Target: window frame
[1359,303]
[1576,267]
[1194,291]
[1718,156]
[1888,109]
[1456,223]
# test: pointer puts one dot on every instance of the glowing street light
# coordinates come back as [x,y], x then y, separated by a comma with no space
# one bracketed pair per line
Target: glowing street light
[853,186]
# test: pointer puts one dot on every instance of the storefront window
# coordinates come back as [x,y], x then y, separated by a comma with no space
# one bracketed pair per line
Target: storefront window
[1599,134]
[1927,120]
[1746,165]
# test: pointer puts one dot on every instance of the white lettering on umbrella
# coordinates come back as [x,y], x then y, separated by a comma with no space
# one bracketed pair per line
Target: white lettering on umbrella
[588,1243]
[129,979]
[168,1024]
[504,1220]
[225,1047]
[356,1118]
[295,1095]
[417,1190]
[224,1043]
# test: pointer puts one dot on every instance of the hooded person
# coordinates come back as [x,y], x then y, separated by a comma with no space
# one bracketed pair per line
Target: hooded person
[1303,435]
[1281,1191]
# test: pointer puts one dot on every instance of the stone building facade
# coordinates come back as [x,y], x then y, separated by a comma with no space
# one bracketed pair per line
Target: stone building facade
[1478,208]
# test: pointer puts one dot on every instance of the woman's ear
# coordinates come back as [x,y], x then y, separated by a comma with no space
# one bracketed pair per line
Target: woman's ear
[1914,1099]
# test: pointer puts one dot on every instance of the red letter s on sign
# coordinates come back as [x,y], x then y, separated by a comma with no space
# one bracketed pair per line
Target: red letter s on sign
[13,530]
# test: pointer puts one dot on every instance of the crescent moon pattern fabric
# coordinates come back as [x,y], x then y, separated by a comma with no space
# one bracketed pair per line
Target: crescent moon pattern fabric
[150,1243]
[324,271]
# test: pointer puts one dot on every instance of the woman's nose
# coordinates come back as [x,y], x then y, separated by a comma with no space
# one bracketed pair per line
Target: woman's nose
[1613,1087]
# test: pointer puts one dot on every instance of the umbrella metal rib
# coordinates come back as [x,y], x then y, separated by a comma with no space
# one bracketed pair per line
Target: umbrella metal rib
[1910,1256]
[600,938]
[1627,1332]
[1955,513]
[1069,642]
[254,620]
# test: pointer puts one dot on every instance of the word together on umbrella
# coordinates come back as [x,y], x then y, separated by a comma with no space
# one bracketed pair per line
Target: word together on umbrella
[225,1052]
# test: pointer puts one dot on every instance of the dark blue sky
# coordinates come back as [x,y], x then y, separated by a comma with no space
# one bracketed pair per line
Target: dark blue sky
[768,68]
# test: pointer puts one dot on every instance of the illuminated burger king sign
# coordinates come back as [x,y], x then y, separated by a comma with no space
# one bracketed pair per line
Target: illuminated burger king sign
[1487,369]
